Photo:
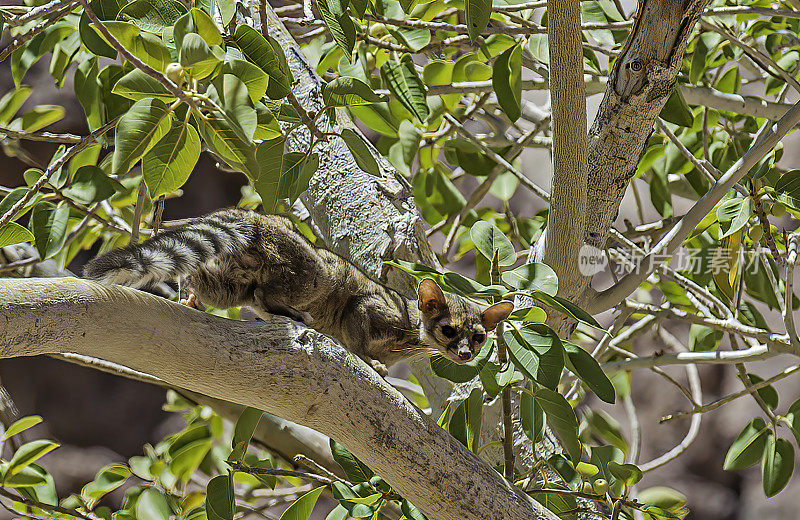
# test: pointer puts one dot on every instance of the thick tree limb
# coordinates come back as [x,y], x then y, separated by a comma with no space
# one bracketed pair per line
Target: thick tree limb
[277,366]
[566,220]
[642,79]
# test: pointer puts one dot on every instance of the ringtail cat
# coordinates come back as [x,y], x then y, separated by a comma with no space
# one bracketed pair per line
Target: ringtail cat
[235,257]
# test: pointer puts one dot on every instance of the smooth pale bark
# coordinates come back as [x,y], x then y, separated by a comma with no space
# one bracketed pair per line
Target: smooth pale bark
[567,216]
[278,366]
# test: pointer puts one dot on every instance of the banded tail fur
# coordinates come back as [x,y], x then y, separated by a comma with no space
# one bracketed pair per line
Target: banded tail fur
[233,257]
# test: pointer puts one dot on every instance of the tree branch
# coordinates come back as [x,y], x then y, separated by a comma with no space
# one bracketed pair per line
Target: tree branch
[566,219]
[267,365]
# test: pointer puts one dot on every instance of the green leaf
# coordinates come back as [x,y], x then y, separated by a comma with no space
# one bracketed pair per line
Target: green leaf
[196,21]
[730,81]
[402,79]
[630,474]
[566,307]
[197,55]
[90,184]
[302,507]
[88,93]
[152,505]
[229,143]
[361,152]
[28,453]
[270,161]
[777,465]
[355,470]
[531,415]
[532,277]
[583,365]
[562,418]
[296,171]
[347,91]
[488,239]
[187,458]
[49,226]
[12,101]
[12,233]
[507,80]
[153,15]
[788,189]
[220,503]
[537,351]
[793,418]
[411,512]
[30,476]
[767,393]
[477,14]
[377,117]
[676,110]
[39,117]
[243,432]
[168,164]
[539,47]
[147,121]
[465,423]
[107,480]
[733,215]
[253,77]
[23,424]
[268,55]
[267,126]
[748,447]
[137,85]
[339,24]
[663,497]
[227,8]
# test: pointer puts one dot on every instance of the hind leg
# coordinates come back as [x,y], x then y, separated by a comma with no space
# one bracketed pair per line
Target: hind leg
[265,302]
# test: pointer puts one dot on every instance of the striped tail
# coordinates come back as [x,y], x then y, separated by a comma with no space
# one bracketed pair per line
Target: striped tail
[173,253]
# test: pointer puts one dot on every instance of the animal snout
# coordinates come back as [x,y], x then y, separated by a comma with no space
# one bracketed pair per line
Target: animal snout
[464,355]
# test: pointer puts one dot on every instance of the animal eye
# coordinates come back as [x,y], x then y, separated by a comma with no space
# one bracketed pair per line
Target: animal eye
[478,338]
[448,331]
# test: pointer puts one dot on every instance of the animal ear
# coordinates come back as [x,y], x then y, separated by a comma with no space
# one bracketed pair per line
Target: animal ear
[431,298]
[496,313]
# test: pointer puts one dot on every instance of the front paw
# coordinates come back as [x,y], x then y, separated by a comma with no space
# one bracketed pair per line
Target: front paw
[379,367]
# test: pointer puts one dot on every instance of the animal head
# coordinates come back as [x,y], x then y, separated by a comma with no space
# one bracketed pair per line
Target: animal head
[453,325]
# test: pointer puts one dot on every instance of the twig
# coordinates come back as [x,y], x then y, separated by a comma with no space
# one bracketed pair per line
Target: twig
[751,388]
[763,61]
[137,213]
[309,463]
[38,12]
[47,137]
[158,215]
[541,193]
[58,163]
[238,466]
[139,64]
[702,166]
[42,505]
[756,353]
[13,266]
[19,41]
[765,226]
[502,357]
[788,311]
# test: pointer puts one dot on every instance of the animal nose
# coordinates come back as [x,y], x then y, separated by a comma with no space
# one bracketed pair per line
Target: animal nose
[465,355]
